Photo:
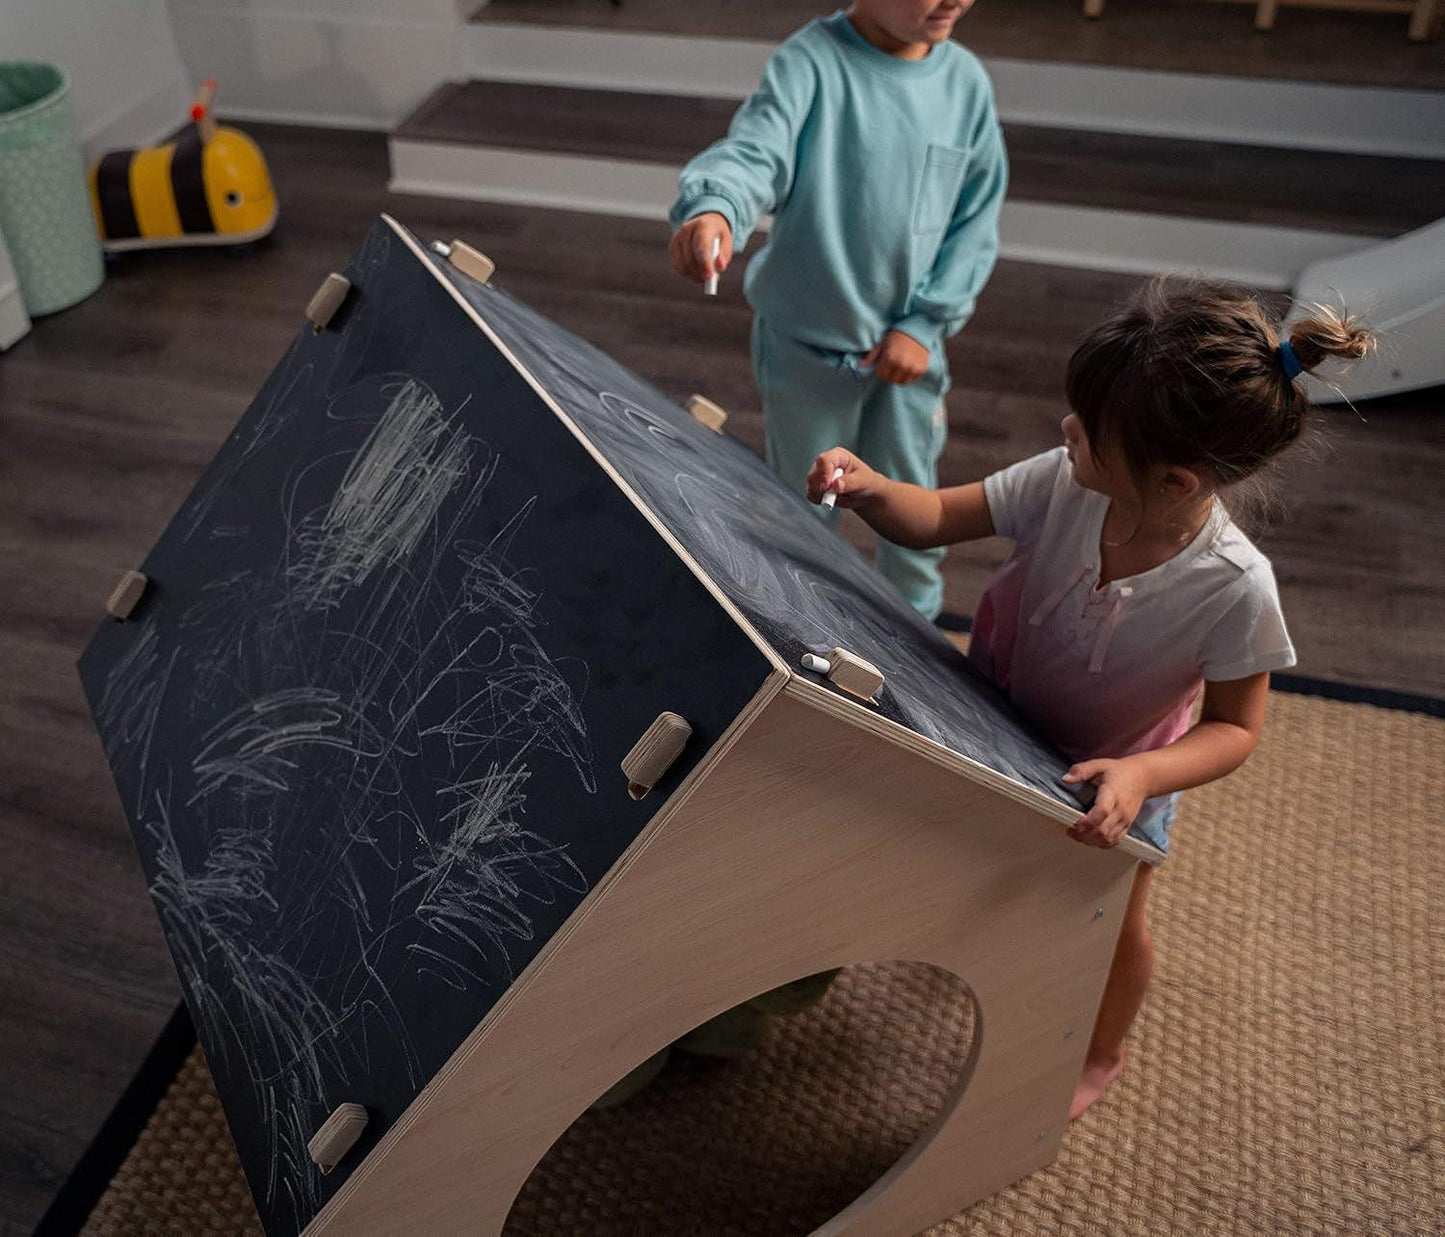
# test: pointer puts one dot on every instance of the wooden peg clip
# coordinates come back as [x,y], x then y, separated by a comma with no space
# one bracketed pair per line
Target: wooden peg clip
[469,261]
[705,412]
[652,755]
[337,1136]
[126,595]
[323,306]
[850,673]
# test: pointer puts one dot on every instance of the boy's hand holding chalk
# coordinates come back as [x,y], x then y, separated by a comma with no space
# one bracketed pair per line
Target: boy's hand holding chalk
[702,249]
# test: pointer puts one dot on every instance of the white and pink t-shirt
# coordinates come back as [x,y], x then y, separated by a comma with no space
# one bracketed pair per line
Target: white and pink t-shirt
[1113,671]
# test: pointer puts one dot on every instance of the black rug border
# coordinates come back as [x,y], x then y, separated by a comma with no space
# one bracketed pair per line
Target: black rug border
[89,1179]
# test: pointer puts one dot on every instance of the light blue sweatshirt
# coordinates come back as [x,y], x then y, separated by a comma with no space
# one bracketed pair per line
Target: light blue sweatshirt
[885,178]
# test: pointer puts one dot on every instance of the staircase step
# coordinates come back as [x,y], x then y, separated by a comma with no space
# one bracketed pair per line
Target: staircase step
[1365,195]
[607,124]
[1184,36]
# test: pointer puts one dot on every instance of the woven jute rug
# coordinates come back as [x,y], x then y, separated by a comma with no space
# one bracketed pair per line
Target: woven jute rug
[1287,1072]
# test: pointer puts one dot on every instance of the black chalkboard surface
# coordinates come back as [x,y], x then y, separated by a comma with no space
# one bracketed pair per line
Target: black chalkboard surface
[803,587]
[368,719]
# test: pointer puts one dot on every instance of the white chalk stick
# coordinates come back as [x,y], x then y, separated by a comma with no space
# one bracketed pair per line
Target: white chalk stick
[818,665]
[831,497]
[710,287]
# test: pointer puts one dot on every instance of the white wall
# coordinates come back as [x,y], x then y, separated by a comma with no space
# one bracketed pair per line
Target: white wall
[126,75]
[364,63]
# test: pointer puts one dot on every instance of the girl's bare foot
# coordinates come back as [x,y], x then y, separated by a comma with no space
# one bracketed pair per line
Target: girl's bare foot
[1097,1077]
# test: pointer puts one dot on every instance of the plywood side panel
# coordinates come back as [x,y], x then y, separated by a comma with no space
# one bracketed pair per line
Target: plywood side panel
[811,844]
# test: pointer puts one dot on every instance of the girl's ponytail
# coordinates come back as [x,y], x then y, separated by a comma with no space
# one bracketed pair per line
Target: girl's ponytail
[1329,332]
[1201,373]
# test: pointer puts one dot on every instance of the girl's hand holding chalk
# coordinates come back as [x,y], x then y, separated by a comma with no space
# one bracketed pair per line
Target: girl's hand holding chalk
[840,477]
[702,249]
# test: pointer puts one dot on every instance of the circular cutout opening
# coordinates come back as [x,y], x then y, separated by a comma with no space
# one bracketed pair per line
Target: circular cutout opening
[778,1140]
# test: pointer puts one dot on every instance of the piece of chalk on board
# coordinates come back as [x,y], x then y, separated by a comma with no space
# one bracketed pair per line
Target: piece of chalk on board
[831,497]
[818,665]
[710,288]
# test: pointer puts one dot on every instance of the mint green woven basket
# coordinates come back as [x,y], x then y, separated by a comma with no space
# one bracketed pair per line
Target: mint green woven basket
[45,210]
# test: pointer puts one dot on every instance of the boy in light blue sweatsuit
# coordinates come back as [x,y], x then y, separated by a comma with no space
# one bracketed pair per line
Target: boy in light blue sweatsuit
[874,141]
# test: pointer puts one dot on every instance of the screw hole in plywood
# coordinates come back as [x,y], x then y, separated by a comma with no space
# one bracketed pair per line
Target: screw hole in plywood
[777,1141]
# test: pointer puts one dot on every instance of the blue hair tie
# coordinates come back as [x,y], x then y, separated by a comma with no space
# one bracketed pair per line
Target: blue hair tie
[1287,359]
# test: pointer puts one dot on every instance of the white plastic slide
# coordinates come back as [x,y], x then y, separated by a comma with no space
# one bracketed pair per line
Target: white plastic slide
[1399,288]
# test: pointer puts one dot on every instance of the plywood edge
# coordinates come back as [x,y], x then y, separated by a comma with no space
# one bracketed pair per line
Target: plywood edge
[826,701]
[772,687]
[767,650]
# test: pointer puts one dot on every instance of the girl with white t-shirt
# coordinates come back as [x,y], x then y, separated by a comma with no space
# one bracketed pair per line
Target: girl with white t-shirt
[1130,593]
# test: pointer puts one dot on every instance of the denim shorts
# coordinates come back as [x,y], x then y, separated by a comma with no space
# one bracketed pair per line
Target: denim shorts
[1152,824]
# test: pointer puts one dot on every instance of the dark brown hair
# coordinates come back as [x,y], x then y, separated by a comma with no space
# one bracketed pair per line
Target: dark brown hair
[1190,373]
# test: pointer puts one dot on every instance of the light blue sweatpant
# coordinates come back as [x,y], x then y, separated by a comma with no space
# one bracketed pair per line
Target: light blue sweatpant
[814,399]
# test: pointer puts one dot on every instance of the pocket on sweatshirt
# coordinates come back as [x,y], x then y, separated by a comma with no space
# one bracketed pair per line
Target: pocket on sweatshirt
[943,171]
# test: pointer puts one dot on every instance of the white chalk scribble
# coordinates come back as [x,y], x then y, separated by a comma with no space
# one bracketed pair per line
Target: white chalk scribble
[340,827]
[263,1018]
[387,499]
[475,882]
[253,744]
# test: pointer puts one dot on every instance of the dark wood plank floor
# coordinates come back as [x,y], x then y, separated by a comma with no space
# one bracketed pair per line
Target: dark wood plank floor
[1182,36]
[109,411]
[1368,194]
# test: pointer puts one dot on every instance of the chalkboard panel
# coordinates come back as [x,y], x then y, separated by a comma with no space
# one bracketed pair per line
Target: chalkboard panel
[367,720]
[803,587]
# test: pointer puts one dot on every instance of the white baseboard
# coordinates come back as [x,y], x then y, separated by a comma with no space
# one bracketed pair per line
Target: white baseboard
[1126,241]
[304,116]
[1209,107]
[382,12]
[567,182]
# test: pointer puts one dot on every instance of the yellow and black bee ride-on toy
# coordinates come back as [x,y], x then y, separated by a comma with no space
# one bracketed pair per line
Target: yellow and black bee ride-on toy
[208,187]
